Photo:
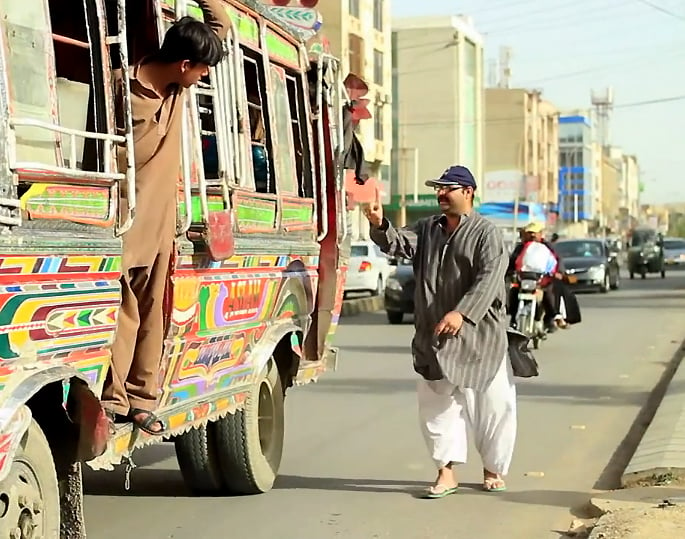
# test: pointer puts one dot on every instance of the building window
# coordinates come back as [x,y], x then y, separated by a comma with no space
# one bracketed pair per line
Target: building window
[378,15]
[354,8]
[356,45]
[378,67]
[378,130]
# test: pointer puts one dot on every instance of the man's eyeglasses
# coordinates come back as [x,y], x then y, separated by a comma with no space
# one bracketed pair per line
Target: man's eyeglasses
[447,188]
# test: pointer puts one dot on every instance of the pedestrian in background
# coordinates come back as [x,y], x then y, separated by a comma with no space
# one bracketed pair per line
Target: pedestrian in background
[460,341]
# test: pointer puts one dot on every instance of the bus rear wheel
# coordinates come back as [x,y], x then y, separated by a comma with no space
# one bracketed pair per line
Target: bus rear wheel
[29,496]
[249,443]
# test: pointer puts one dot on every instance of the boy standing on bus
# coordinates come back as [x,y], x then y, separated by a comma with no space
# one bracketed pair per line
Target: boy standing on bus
[158,84]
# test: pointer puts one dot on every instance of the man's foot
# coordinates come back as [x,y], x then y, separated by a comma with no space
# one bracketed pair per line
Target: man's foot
[444,485]
[146,421]
[493,482]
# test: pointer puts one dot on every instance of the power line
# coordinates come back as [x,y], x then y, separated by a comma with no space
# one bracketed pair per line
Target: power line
[520,118]
[662,9]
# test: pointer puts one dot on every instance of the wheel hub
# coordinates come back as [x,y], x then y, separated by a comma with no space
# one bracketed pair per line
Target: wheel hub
[21,504]
[266,417]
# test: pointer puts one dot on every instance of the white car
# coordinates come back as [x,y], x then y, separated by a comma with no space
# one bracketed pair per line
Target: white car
[368,270]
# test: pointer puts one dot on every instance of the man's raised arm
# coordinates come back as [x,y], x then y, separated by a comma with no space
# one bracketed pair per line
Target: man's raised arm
[216,16]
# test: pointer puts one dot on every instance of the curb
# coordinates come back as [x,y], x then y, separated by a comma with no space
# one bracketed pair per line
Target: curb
[351,307]
[660,454]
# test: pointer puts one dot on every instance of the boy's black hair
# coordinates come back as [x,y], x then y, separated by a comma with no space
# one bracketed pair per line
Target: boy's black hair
[192,40]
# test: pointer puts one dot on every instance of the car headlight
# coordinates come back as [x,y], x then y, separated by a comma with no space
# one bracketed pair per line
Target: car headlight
[393,284]
[596,272]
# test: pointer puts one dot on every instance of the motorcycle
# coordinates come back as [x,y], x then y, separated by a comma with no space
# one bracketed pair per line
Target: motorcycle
[529,320]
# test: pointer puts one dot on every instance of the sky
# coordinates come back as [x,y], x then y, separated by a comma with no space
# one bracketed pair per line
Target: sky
[569,47]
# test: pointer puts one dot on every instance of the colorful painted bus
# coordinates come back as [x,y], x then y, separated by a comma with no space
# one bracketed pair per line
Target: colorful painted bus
[255,289]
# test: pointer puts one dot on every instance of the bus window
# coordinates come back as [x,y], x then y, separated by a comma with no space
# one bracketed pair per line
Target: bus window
[286,172]
[80,79]
[261,147]
[298,118]
[58,70]
[206,109]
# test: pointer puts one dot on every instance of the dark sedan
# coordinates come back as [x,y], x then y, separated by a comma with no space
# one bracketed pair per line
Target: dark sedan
[589,264]
[399,292]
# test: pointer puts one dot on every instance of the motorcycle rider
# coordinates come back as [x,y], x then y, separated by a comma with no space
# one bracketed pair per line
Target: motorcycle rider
[550,302]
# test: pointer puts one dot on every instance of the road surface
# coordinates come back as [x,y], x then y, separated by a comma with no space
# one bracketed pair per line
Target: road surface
[354,458]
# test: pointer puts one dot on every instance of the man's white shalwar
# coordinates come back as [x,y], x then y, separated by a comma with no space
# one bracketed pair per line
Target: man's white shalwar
[445,411]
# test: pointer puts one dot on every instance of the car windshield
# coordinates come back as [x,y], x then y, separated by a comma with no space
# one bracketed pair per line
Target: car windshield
[674,244]
[640,237]
[573,249]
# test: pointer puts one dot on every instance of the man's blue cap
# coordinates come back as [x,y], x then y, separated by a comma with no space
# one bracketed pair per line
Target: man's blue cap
[455,175]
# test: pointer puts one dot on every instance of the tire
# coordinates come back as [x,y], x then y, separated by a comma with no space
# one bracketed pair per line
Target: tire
[30,490]
[663,273]
[606,285]
[249,443]
[536,343]
[522,322]
[617,282]
[395,317]
[632,275]
[643,274]
[197,458]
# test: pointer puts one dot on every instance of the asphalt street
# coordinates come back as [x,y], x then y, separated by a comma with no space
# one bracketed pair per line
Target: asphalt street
[354,458]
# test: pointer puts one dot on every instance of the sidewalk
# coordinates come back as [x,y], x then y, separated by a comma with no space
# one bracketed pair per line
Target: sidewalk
[641,513]
[652,503]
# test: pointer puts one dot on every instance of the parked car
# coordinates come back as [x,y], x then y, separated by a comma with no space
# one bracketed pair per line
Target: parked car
[368,269]
[399,292]
[674,251]
[590,264]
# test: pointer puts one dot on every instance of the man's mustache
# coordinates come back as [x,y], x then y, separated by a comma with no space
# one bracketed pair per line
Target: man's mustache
[443,198]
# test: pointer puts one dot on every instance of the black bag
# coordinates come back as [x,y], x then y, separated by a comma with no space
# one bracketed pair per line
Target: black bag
[522,360]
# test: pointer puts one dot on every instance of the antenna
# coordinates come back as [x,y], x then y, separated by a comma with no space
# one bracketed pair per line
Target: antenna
[603,101]
[504,67]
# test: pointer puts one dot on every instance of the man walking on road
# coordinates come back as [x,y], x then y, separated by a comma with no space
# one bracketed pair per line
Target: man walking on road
[460,343]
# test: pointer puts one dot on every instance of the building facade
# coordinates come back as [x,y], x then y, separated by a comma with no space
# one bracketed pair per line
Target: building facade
[437,108]
[576,190]
[359,33]
[521,147]
[611,196]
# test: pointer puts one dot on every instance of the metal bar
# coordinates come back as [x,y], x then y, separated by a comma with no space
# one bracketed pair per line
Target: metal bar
[186,169]
[227,116]
[70,41]
[128,120]
[29,122]
[238,83]
[101,177]
[196,151]
[72,150]
[339,168]
[321,184]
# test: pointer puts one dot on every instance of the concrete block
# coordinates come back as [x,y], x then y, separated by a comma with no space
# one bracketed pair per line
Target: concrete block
[661,452]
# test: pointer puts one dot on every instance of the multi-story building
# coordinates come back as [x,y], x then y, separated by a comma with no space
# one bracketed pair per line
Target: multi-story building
[631,186]
[521,147]
[437,108]
[359,33]
[576,189]
[611,196]
[628,203]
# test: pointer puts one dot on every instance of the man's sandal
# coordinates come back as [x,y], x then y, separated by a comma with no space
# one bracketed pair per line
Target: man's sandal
[439,491]
[147,421]
[494,484]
